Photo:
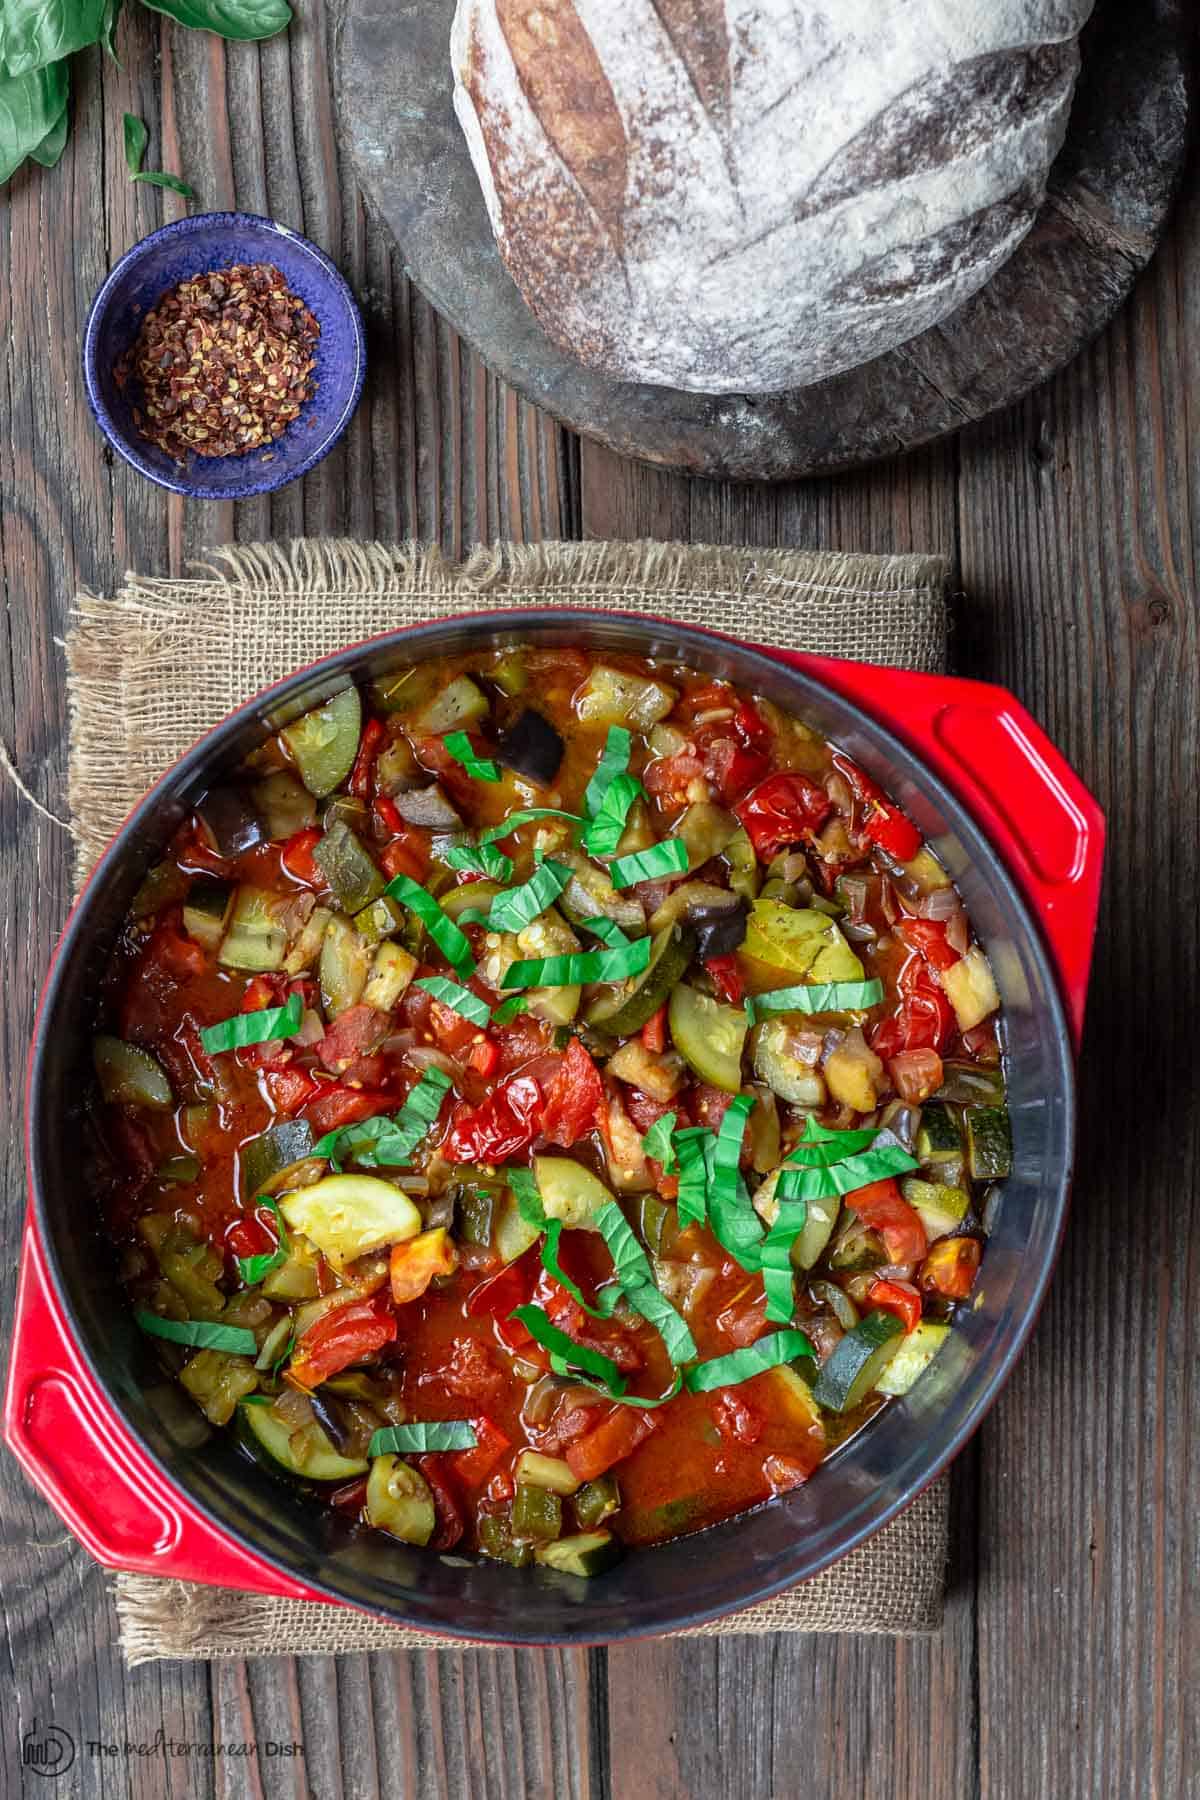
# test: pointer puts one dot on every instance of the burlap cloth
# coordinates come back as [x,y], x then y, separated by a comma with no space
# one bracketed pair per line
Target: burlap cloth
[152,669]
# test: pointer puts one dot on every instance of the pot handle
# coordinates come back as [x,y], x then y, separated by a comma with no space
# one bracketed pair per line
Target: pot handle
[1018,787]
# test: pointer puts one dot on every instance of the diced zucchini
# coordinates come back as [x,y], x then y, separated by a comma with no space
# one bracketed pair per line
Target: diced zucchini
[347,1216]
[382,919]
[546,1472]
[709,1035]
[629,1006]
[819,1221]
[914,1356]
[971,989]
[801,940]
[570,1192]
[926,871]
[345,809]
[470,895]
[786,1075]
[706,830]
[989,1142]
[284,804]
[271,1438]
[969,1084]
[941,1208]
[496,1540]
[297,1277]
[596,1501]
[512,1235]
[130,1076]
[217,1381]
[256,939]
[348,868]
[403,689]
[399,1500]
[658,1074]
[187,1272]
[206,911]
[550,935]
[653,1219]
[831,1294]
[179,1171]
[589,1553]
[938,1136]
[857,1361]
[345,964]
[274,1151]
[792,1397]
[163,885]
[612,697]
[764,1130]
[510,673]
[743,864]
[857,1247]
[307,946]
[852,1071]
[458,706]
[475,1213]
[324,743]
[591,895]
[391,974]
[536,1512]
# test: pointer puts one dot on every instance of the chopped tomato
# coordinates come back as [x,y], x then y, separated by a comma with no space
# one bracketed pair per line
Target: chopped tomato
[654,1032]
[611,1442]
[341,1337]
[474,1466]
[569,1423]
[710,1104]
[355,1033]
[297,856]
[179,956]
[573,1098]
[471,1372]
[928,937]
[744,1321]
[727,978]
[669,777]
[336,1106]
[506,1123]
[363,772]
[884,823]
[413,1264]
[784,809]
[735,1418]
[733,769]
[249,1236]
[500,1294]
[399,858]
[951,1267]
[450,1523]
[645,1111]
[521,1039]
[924,1020]
[881,1206]
[501,1487]
[916,1075]
[898,1297]
[452,1031]
[484,1057]
[784,1472]
[290,1089]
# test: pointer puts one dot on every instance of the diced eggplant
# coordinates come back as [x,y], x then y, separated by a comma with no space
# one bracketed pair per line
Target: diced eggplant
[324,742]
[284,804]
[458,706]
[348,868]
[853,1072]
[709,1035]
[612,697]
[399,1500]
[163,885]
[391,973]
[971,989]
[719,930]
[590,895]
[785,1073]
[510,673]
[660,1076]
[346,809]
[691,898]
[206,911]
[130,1076]
[532,748]
[396,767]
[271,1439]
[382,919]
[705,830]
[857,1247]
[428,807]
[230,820]
[256,938]
[763,1130]
[304,952]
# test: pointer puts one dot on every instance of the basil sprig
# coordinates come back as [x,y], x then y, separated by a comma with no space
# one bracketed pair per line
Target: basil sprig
[421,1437]
[732,1217]
[199,1333]
[389,1141]
[480,859]
[459,999]
[136,139]
[463,751]
[260,1027]
[771,1352]
[816,997]
[254,1269]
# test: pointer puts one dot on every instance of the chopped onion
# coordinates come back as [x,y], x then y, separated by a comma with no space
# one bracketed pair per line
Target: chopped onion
[712,715]
[425,1056]
[887,900]
[794,866]
[840,792]
[806,1047]
[958,932]
[312,1029]
[939,903]
[899,1116]
[853,890]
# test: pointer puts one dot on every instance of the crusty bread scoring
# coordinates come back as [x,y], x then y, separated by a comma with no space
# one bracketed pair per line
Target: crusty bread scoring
[748,195]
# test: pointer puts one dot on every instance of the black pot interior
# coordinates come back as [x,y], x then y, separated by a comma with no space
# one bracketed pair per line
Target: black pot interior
[729,1565]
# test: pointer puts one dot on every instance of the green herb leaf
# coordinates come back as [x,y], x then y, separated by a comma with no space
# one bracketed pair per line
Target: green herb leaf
[776,1257]
[261,1027]
[508,1009]
[615,964]
[637,1279]
[668,858]
[526,816]
[560,1367]
[607,930]
[614,761]
[768,1353]
[445,933]
[199,1333]
[136,139]
[692,1199]
[393,1139]
[254,1269]
[422,1437]
[523,1184]
[657,1143]
[480,859]
[155,178]
[256,1400]
[49,151]
[35,34]
[284,1354]
[248,20]
[32,110]
[520,906]
[462,750]
[845,1176]
[576,1356]
[734,1222]
[817,997]
[460,999]
[603,833]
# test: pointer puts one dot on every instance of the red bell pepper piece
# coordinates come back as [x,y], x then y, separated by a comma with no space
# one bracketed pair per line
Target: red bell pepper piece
[474,1466]
[400,858]
[784,809]
[363,772]
[654,1032]
[573,1098]
[484,1057]
[339,1338]
[884,823]
[506,1123]
[727,978]
[297,856]
[881,1206]
[615,1438]
[898,1297]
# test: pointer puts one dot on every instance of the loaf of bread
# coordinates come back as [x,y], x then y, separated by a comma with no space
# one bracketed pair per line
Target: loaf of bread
[749,195]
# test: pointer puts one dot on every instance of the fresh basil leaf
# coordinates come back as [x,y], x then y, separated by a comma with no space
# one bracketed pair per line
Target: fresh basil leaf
[261,1027]
[508,1009]
[462,750]
[284,1354]
[614,761]
[453,945]
[459,999]
[639,1400]
[692,1199]
[776,1257]
[480,859]
[199,1333]
[254,1269]
[657,1143]
[136,139]
[576,1356]
[526,816]
[520,906]
[732,1217]
[589,965]
[422,1437]
[111,10]
[156,178]
[36,33]
[637,1279]
[247,20]
[388,1141]
[845,1176]
[609,1297]
[49,151]
[31,111]
[740,1365]
[603,833]
[607,930]
[816,997]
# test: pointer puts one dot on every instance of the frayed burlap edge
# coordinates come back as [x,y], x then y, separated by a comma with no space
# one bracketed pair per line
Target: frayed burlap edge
[153,669]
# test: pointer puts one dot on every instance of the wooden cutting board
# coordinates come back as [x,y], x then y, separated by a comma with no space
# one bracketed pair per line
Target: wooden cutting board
[1110,192]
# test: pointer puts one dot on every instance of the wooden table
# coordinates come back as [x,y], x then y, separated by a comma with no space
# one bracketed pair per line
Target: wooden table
[1073,523]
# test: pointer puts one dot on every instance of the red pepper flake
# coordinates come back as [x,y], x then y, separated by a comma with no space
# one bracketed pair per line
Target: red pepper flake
[222,363]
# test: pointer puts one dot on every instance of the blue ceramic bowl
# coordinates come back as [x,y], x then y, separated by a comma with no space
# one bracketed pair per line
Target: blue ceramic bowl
[191,247]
